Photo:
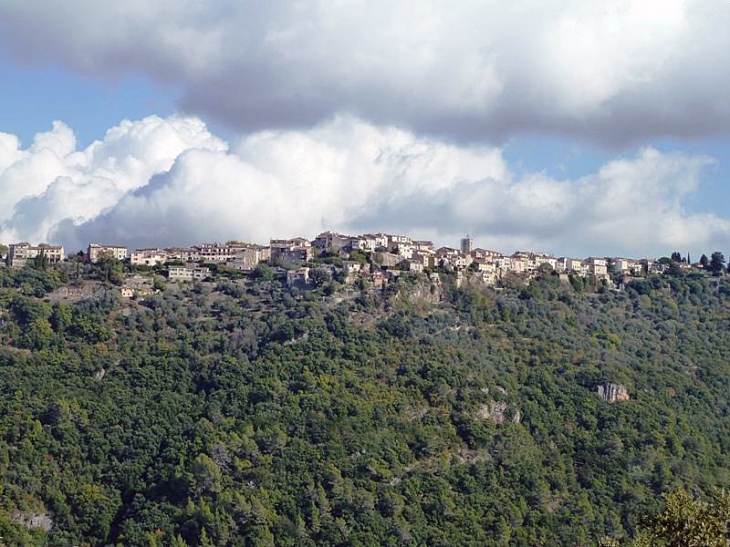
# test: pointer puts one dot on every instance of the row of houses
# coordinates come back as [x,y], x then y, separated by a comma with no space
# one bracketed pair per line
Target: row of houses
[19,254]
[395,252]
[241,256]
[238,255]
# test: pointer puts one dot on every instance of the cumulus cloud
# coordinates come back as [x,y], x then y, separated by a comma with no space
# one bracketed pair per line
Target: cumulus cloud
[171,182]
[635,206]
[277,184]
[614,72]
[52,181]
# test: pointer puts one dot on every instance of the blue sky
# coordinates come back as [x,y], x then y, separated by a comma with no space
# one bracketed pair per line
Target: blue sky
[561,158]
[563,126]
[34,95]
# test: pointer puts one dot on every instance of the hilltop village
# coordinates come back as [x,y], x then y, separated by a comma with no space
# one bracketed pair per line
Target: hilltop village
[375,259]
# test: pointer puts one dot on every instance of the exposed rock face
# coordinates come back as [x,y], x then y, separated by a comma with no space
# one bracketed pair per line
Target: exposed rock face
[499,412]
[74,293]
[33,520]
[613,392]
[421,293]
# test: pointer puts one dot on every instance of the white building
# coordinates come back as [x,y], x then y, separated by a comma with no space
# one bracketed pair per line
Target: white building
[183,273]
[569,265]
[485,265]
[550,260]
[488,277]
[20,253]
[462,262]
[520,265]
[96,251]
[424,246]
[628,266]
[183,254]
[396,240]
[405,250]
[415,266]
[596,266]
[369,242]
[148,257]
[480,253]
[216,252]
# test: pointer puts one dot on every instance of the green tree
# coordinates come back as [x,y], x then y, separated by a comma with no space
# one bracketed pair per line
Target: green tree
[320,276]
[178,541]
[263,271]
[110,269]
[688,521]
[207,475]
[40,262]
[717,262]
[159,284]
[674,269]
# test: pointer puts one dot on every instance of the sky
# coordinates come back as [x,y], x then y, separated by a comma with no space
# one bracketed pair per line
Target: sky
[572,127]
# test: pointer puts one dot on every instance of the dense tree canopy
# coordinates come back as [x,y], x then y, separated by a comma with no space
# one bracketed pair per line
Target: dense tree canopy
[238,412]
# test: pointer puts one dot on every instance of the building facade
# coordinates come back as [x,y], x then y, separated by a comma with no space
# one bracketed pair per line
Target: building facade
[96,251]
[148,257]
[19,254]
[183,273]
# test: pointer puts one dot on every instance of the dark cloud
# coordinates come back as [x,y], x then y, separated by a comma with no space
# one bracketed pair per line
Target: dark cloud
[613,73]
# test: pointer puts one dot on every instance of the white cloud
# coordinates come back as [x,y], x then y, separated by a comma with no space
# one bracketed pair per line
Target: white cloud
[169,181]
[294,182]
[612,71]
[52,181]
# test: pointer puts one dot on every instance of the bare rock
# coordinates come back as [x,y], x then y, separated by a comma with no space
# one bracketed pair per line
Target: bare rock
[499,412]
[612,393]
[33,520]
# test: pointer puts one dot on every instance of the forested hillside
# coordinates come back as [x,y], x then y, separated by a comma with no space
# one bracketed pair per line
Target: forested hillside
[243,413]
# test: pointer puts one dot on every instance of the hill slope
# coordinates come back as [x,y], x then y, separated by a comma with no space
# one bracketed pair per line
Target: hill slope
[246,414]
